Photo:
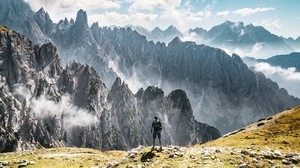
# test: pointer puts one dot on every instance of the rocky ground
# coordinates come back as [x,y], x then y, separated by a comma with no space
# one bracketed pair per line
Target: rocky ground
[169,156]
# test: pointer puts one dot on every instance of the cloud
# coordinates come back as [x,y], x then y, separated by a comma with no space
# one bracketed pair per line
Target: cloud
[114,18]
[59,9]
[183,17]
[223,13]
[286,78]
[250,11]
[288,74]
[42,107]
[180,13]
[141,5]
[257,47]
[73,4]
[271,24]
[72,115]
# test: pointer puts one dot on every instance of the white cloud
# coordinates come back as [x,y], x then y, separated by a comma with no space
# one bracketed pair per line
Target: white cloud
[175,12]
[72,115]
[114,18]
[288,74]
[257,47]
[223,13]
[59,9]
[42,107]
[271,24]
[286,78]
[250,11]
[146,13]
[141,5]
[73,4]
[108,18]
[182,18]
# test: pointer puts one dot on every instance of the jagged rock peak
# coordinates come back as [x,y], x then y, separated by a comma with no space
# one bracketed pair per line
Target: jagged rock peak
[81,18]
[95,25]
[178,96]
[72,21]
[44,21]
[47,53]
[237,58]
[119,84]
[42,13]
[42,10]
[14,12]
[171,28]
[153,92]
[156,29]
[228,22]
[175,41]
[118,81]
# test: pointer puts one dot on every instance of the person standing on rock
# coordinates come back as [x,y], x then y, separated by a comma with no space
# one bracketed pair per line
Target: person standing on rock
[156,130]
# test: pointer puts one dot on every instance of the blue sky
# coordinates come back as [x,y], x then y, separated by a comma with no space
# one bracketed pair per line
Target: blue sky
[281,17]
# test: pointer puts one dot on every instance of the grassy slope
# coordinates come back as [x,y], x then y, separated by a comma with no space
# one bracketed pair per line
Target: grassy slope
[279,132]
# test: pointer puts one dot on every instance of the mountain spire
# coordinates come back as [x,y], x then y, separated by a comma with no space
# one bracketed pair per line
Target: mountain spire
[81,18]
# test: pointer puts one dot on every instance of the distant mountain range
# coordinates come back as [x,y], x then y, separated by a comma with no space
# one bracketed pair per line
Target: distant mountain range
[284,61]
[234,37]
[291,60]
[295,43]
[222,90]
[159,35]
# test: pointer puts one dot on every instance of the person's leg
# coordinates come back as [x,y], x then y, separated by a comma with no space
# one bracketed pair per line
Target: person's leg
[159,138]
[153,142]
[159,142]
[154,137]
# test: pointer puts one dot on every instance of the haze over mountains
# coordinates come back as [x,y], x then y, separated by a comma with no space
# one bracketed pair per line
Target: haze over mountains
[209,84]
[233,37]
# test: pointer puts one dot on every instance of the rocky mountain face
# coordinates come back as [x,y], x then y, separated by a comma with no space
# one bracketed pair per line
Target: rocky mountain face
[43,104]
[14,12]
[223,91]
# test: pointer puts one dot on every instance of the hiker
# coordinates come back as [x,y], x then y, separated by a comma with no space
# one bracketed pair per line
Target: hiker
[156,128]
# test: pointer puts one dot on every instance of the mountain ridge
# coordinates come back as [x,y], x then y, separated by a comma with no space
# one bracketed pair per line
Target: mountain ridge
[45,105]
[284,61]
